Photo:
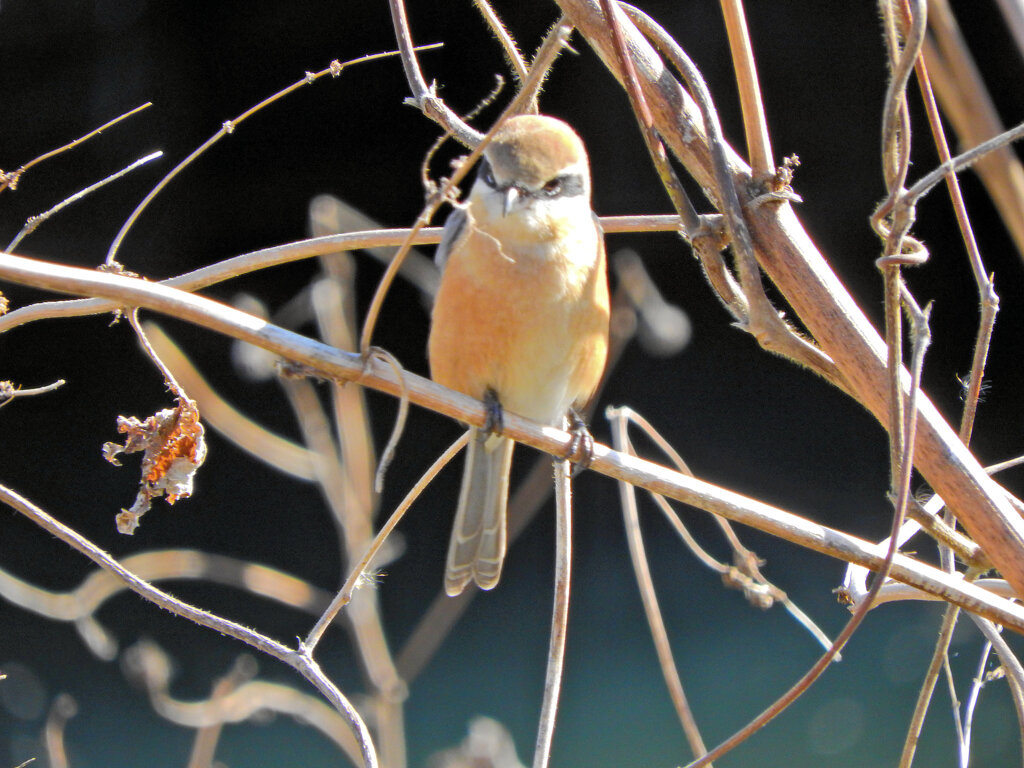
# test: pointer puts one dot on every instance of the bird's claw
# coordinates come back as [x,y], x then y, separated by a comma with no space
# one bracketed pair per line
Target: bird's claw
[581,446]
[494,423]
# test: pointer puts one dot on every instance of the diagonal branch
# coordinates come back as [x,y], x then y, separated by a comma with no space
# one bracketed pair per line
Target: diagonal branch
[330,362]
[802,274]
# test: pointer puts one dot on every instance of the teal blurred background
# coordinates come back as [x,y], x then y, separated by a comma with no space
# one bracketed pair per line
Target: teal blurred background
[747,421]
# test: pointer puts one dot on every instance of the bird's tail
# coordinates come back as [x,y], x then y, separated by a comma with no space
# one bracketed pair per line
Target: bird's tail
[477,547]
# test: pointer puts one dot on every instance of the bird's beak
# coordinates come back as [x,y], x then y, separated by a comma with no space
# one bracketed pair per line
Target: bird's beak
[509,198]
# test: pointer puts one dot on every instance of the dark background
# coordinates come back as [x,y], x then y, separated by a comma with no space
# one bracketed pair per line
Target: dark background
[748,421]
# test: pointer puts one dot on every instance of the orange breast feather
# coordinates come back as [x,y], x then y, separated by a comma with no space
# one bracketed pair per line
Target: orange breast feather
[532,329]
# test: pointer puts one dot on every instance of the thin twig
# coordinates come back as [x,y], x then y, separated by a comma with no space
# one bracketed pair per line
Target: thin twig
[547,53]
[965,723]
[559,615]
[388,454]
[649,598]
[172,384]
[302,663]
[755,126]
[334,70]
[960,162]
[11,179]
[1012,668]
[507,42]
[920,344]
[9,391]
[901,205]
[987,299]
[34,221]
[357,575]
[747,573]
[425,98]
[655,147]
[285,254]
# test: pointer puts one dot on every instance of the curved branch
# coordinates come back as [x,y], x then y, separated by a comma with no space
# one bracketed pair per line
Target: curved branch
[334,363]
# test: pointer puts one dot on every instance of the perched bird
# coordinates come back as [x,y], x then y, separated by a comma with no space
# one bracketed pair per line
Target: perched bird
[521,315]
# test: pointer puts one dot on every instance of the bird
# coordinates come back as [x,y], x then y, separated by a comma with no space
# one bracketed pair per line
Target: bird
[521,316]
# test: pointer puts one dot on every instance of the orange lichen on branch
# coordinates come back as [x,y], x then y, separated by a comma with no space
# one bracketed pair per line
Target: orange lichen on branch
[173,448]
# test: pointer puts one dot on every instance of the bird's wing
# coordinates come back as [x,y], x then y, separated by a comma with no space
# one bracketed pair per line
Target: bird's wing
[453,228]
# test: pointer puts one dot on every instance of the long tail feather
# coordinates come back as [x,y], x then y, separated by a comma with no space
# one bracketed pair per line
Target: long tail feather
[477,547]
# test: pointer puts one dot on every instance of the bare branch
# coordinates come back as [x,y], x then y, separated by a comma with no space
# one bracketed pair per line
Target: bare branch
[334,70]
[10,180]
[559,615]
[33,223]
[301,662]
[285,254]
[754,123]
[825,307]
[335,363]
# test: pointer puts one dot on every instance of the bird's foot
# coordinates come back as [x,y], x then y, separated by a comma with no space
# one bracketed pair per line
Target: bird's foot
[580,450]
[494,424]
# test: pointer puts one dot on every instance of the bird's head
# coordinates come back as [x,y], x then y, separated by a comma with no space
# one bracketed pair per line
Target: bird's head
[534,179]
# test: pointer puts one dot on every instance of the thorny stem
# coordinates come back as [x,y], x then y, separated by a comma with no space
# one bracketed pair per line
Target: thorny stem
[508,44]
[33,223]
[747,302]
[655,147]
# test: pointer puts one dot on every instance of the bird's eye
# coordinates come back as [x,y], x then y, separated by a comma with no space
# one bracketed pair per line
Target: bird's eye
[487,175]
[553,187]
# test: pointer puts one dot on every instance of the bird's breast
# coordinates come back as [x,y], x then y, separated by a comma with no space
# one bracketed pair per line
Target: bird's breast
[517,319]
